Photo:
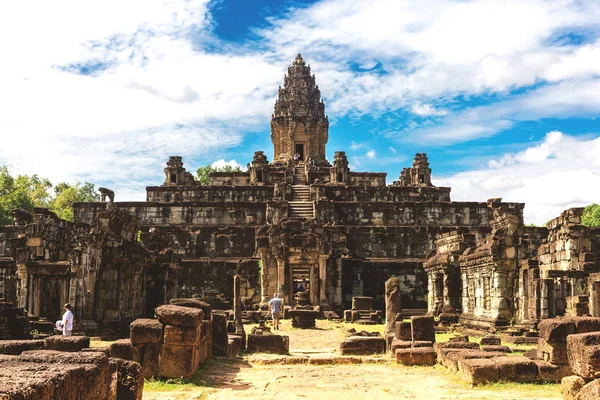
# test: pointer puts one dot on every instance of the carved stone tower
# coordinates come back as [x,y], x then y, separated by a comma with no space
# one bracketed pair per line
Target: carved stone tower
[299,124]
[421,173]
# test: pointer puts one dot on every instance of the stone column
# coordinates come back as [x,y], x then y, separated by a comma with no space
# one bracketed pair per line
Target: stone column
[237,309]
[393,306]
[280,276]
[264,279]
[314,285]
[323,281]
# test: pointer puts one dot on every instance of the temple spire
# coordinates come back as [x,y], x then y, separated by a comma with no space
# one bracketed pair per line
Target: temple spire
[299,124]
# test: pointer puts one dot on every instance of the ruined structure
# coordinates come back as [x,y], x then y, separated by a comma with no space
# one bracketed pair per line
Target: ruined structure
[281,223]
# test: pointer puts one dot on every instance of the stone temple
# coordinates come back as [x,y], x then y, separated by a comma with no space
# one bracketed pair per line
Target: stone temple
[313,222]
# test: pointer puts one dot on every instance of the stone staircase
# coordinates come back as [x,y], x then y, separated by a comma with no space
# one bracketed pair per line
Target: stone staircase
[300,206]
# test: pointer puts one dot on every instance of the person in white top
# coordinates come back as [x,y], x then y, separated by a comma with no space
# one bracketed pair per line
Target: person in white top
[67,320]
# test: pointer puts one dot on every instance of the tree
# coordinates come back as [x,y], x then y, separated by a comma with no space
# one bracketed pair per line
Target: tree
[25,192]
[202,173]
[67,194]
[591,215]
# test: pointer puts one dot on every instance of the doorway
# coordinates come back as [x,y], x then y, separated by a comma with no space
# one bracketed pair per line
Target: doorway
[299,148]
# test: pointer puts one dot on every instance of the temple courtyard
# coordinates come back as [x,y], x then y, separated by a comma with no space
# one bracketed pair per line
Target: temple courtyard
[318,371]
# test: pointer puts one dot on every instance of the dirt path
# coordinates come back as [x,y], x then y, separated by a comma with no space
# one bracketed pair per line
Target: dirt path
[229,380]
[246,379]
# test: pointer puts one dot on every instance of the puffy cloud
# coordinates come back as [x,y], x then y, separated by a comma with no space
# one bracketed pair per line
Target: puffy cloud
[425,110]
[371,154]
[558,173]
[231,163]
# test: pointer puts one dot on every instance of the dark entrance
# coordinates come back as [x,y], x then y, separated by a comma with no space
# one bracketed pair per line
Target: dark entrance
[300,150]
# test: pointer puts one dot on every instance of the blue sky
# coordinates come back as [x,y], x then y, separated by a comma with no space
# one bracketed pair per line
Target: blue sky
[503,96]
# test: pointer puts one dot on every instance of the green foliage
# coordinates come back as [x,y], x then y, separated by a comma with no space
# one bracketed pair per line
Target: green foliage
[202,173]
[27,192]
[591,215]
[66,195]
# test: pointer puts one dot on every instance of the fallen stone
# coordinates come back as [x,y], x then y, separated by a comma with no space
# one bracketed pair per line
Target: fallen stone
[516,369]
[403,331]
[220,338]
[421,343]
[278,344]
[150,366]
[193,303]
[16,347]
[586,324]
[234,346]
[438,346]
[182,336]
[145,330]
[416,356]
[362,345]
[422,328]
[554,352]
[583,352]
[570,386]
[177,361]
[501,349]
[67,343]
[130,381]
[121,348]
[179,316]
[490,341]
[550,372]
[479,370]
[399,344]
[590,391]
[460,338]
[556,330]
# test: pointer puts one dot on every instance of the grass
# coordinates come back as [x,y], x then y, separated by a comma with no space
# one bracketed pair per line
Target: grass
[171,384]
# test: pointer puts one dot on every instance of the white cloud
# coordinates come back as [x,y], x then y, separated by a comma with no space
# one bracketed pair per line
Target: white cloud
[425,110]
[232,163]
[558,173]
[371,154]
[356,146]
[393,150]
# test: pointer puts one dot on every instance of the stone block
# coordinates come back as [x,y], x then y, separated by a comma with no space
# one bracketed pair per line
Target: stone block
[234,346]
[586,324]
[179,316]
[501,349]
[403,331]
[362,303]
[590,391]
[570,386]
[416,356]
[555,353]
[150,366]
[67,343]
[220,337]
[121,348]
[459,338]
[182,336]
[479,370]
[454,359]
[16,347]
[556,330]
[583,350]
[438,346]
[422,328]
[550,372]
[490,341]
[516,369]
[193,303]
[145,330]
[130,380]
[278,344]
[362,345]
[177,361]
[399,344]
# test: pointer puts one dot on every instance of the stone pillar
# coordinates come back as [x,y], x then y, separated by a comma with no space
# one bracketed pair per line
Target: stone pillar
[237,309]
[314,285]
[281,277]
[323,281]
[430,293]
[393,305]
[264,279]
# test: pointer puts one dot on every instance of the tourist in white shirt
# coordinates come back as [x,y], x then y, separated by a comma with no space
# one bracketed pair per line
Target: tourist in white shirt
[67,320]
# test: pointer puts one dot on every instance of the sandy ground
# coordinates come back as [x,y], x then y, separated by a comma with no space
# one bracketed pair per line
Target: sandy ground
[246,379]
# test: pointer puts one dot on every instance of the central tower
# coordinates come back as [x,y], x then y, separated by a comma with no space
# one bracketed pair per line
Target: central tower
[299,124]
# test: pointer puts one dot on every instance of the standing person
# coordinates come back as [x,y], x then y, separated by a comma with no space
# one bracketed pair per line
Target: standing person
[67,320]
[275,307]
